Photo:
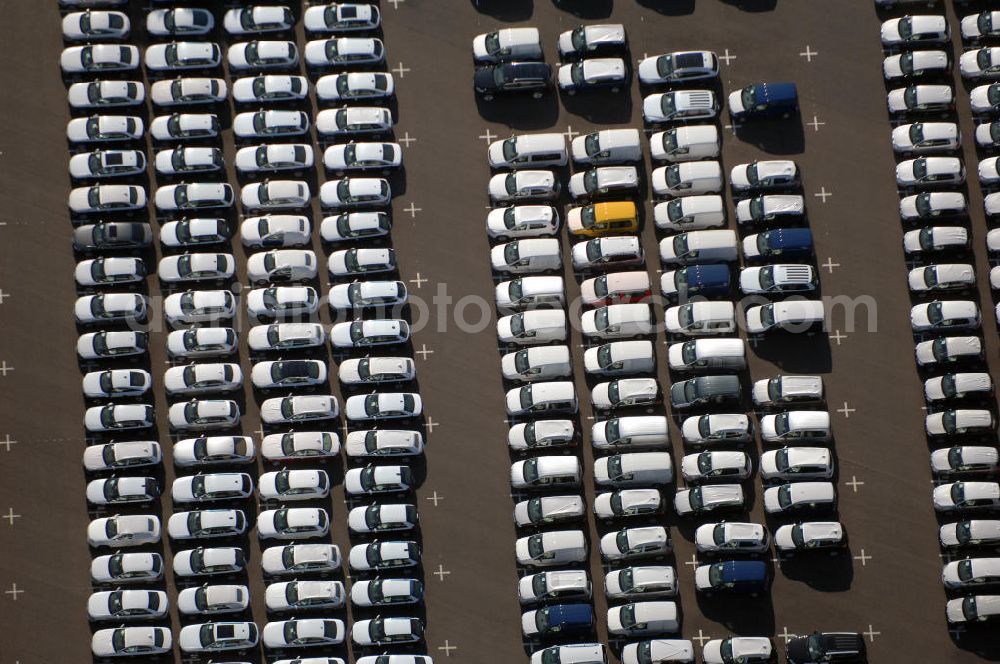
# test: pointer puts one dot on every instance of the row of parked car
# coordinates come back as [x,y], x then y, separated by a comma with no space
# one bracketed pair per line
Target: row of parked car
[379,565]
[633,477]
[957,385]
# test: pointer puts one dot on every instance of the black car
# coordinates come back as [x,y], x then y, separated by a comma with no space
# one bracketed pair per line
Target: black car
[706,391]
[823,647]
[534,77]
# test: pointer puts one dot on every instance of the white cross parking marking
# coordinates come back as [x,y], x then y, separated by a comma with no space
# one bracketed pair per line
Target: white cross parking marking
[441,572]
[727,57]
[430,424]
[823,193]
[3,295]
[693,562]
[10,516]
[424,352]
[413,210]
[435,498]
[418,281]
[4,368]
[488,136]
[846,412]
[864,558]
[829,264]
[395,3]
[871,634]
[7,442]
[406,140]
[808,54]
[569,133]
[701,638]
[815,124]
[837,336]
[400,69]
[14,591]
[786,635]
[854,484]
[447,647]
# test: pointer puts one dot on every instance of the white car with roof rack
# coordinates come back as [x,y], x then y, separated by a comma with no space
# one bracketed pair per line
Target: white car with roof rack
[209,561]
[376,370]
[383,443]
[300,408]
[213,599]
[965,459]
[679,106]
[541,434]
[678,67]
[778,278]
[115,456]
[731,537]
[300,558]
[809,536]
[548,510]
[344,52]
[355,86]
[300,445]
[517,221]
[353,121]
[717,428]
[304,595]
[916,64]
[625,393]
[558,585]
[268,124]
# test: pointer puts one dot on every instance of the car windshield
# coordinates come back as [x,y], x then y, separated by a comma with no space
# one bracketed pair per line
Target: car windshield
[781,426]
[604,356]
[576,73]
[917,133]
[590,181]
[766,277]
[672,175]
[919,168]
[601,318]
[748,96]
[963,532]
[579,39]
[910,96]
[616,503]
[535,510]
[785,495]
[614,391]
[905,27]
[592,144]
[667,105]
[588,218]
[983,59]
[969,608]
[680,244]
[949,420]
[530,468]
[935,312]
[965,570]
[536,546]
[493,43]
[510,149]
[948,386]
[906,63]
[715,575]
[517,325]
[685,315]
[927,238]
[995,132]
[521,362]
[612,430]
[691,390]
[767,315]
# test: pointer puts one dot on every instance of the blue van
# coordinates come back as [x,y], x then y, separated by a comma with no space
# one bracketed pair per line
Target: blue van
[764,100]
[710,280]
[746,577]
[783,243]
[558,619]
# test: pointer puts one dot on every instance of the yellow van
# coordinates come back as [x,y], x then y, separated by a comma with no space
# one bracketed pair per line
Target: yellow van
[599,219]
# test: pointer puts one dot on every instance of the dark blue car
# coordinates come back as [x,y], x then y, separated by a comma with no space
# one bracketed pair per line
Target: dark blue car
[711,280]
[764,100]
[559,619]
[732,576]
[783,243]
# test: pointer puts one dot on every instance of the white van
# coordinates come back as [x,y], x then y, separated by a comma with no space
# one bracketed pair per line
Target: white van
[544,472]
[660,651]
[697,318]
[529,292]
[707,355]
[620,357]
[796,425]
[534,327]
[617,321]
[525,256]
[699,247]
[574,653]
[634,469]
[507,44]
[794,315]
[528,151]
[689,143]
[688,179]
[608,146]
[558,396]
[538,363]
[690,213]
[631,432]
[770,207]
